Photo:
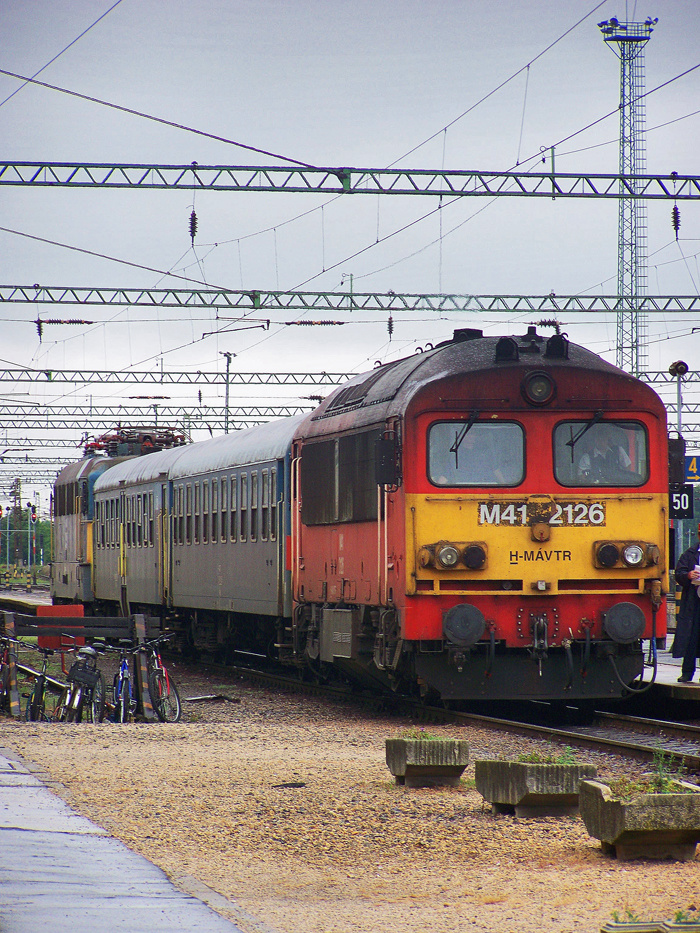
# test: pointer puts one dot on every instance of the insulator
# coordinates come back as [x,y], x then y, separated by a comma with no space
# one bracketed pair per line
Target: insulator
[390,326]
[676,219]
[313,323]
[39,328]
[193,226]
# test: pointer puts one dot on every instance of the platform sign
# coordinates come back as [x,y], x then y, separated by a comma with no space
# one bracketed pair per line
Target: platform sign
[681,502]
[692,469]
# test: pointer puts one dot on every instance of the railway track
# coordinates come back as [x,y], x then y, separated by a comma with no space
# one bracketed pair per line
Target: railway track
[634,736]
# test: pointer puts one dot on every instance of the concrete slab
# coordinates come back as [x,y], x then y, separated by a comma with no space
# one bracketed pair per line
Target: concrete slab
[668,672]
[60,872]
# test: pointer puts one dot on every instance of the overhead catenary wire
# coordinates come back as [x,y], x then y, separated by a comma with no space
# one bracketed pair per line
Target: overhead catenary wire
[155,119]
[63,50]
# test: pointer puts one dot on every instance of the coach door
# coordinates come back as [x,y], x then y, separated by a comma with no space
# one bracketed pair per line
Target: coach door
[164,550]
[123,520]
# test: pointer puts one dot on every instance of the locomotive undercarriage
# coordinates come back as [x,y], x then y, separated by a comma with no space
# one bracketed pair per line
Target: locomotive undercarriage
[363,645]
[578,671]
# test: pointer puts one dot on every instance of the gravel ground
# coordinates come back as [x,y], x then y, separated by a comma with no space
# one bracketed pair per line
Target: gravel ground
[348,851]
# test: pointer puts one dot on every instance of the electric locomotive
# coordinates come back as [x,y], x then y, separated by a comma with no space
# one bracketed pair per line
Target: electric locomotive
[484,520]
[500,554]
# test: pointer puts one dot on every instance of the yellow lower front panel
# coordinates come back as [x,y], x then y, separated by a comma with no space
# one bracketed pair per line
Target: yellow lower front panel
[540,544]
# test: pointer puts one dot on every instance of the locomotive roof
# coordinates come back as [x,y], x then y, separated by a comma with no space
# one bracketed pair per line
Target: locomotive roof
[74,472]
[264,442]
[373,396]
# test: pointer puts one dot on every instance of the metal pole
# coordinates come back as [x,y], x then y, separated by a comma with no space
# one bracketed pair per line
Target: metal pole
[228,371]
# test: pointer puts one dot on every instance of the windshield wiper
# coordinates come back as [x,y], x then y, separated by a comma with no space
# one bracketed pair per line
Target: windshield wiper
[598,416]
[460,437]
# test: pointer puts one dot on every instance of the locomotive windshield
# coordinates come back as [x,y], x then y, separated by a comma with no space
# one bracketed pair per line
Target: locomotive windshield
[601,453]
[473,453]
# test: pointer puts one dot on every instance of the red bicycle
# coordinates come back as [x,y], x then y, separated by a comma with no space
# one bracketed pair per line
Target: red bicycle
[164,693]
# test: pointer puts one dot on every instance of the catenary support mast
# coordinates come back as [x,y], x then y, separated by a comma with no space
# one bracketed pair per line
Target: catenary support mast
[628,41]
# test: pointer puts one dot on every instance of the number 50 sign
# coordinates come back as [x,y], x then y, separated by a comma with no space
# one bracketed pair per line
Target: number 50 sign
[681,501]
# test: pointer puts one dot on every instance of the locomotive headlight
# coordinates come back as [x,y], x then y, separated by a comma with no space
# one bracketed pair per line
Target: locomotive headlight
[447,555]
[608,555]
[538,388]
[633,555]
[474,556]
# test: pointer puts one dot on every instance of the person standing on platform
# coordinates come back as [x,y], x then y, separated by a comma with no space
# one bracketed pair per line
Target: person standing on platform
[686,643]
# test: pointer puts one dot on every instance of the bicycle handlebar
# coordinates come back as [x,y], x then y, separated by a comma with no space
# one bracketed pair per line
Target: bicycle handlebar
[135,649]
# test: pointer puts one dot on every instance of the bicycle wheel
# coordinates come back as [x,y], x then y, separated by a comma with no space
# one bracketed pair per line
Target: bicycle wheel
[35,705]
[95,707]
[164,697]
[4,686]
[74,705]
[122,700]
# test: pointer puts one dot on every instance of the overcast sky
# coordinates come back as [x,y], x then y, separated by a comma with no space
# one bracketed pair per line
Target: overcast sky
[339,84]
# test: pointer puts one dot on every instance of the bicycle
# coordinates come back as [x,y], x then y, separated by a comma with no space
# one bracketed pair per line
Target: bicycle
[165,696]
[86,689]
[36,704]
[122,694]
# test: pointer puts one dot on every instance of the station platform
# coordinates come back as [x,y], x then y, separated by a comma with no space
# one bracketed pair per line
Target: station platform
[60,872]
[667,674]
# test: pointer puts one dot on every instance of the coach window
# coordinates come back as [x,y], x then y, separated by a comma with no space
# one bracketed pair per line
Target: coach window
[128,507]
[151,536]
[273,505]
[214,511]
[601,453]
[188,512]
[176,515]
[224,506]
[234,506]
[139,521]
[133,521]
[253,506]
[243,507]
[265,505]
[205,511]
[197,512]
[464,453]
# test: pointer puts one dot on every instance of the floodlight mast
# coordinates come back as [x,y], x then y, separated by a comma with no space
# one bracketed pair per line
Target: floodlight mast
[628,41]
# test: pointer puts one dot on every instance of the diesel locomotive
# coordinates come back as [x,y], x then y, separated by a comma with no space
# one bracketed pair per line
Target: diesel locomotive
[484,520]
